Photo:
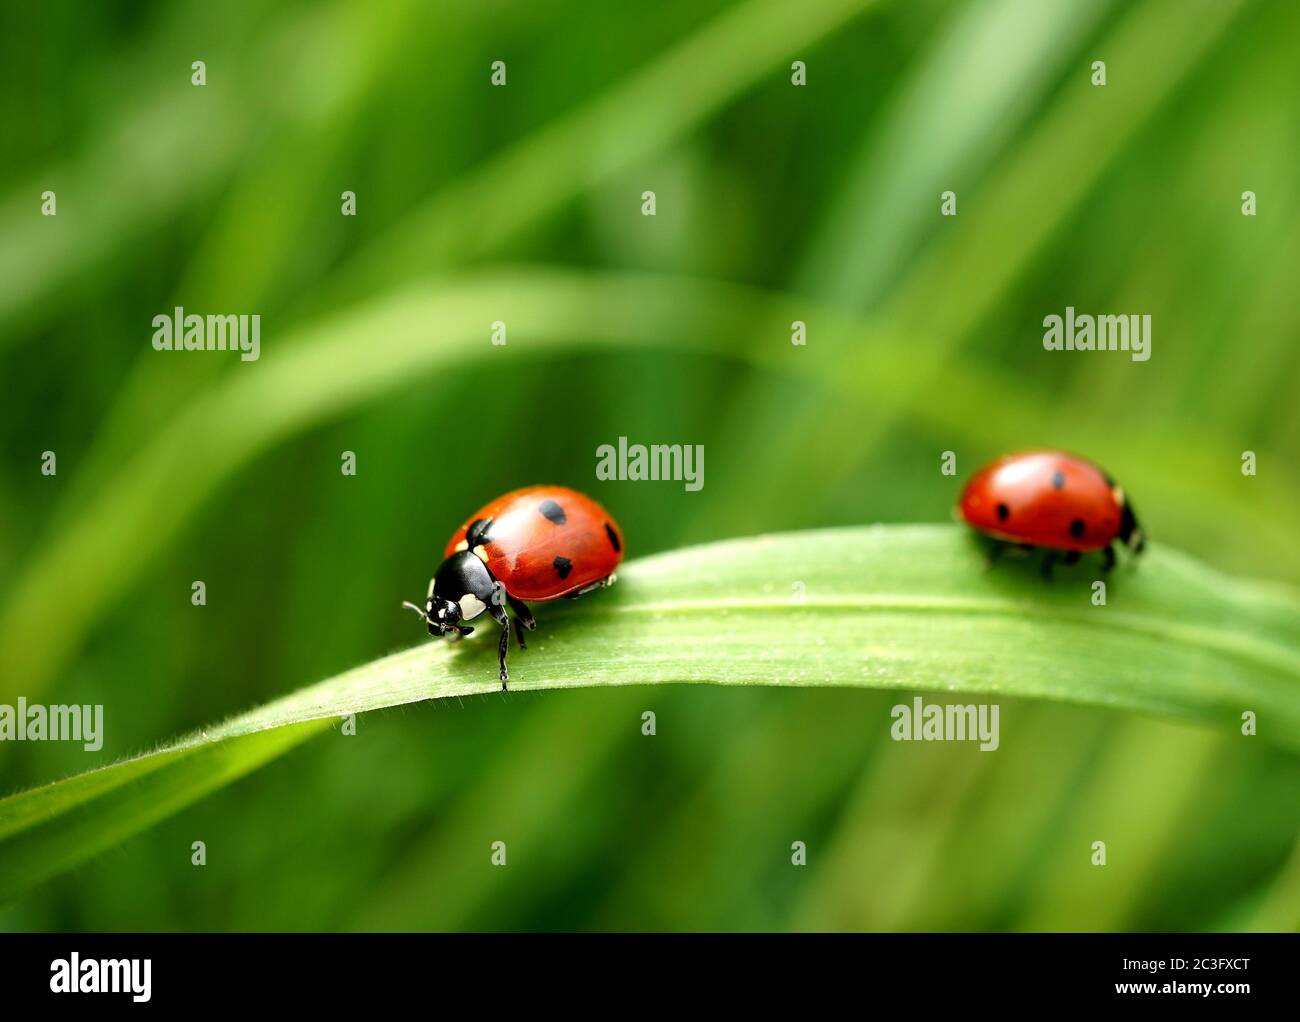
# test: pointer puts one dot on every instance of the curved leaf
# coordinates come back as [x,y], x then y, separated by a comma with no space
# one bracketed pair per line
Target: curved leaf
[887,607]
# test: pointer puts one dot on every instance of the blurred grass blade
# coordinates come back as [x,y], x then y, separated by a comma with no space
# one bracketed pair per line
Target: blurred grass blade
[1178,764]
[961,105]
[652,107]
[1055,167]
[887,607]
[159,146]
[958,108]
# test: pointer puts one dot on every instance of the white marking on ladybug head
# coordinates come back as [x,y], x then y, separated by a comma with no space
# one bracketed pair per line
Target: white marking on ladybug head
[462,546]
[471,607]
[481,553]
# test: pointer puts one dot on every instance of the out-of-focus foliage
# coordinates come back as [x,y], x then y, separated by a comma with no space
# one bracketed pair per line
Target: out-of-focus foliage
[825,198]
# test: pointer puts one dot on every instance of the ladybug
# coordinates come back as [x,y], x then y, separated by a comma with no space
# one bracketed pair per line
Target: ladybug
[1053,500]
[538,544]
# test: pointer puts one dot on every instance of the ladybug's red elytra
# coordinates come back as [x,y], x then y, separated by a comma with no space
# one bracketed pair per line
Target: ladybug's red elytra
[538,543]
[1049,499]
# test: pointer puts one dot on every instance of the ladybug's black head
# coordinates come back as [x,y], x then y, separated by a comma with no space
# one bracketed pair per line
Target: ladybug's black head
[1130,532]
[443,616]
[460,591]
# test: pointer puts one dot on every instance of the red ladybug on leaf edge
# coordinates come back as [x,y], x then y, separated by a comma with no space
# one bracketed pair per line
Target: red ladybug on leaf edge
[538,543]
[1051,500]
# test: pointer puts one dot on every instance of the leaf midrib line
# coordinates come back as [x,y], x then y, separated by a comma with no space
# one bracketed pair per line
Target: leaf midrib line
[1204,637]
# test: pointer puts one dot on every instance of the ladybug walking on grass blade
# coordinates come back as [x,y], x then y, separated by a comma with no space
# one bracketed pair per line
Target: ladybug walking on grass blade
[1045,499]
[535,544]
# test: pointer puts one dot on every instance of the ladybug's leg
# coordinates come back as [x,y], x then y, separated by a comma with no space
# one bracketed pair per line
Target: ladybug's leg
[523,619]
[1071,558]
[522,612]
[603,583]
[498,612]
[1049,558]
[1108,558]
[1000,547]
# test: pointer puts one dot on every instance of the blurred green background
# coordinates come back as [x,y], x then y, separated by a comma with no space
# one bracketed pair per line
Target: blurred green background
[225,198]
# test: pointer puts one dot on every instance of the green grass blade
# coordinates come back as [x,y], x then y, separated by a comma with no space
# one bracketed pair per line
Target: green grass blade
[887,607]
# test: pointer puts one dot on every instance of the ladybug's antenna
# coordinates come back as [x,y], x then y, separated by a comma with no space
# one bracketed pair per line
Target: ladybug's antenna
[407,603]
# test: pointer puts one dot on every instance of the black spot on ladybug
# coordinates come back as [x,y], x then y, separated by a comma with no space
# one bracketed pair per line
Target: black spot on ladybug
[1004,512]
[1058,480]
[562,566]
[613,537]
[1077,527]
[552,512]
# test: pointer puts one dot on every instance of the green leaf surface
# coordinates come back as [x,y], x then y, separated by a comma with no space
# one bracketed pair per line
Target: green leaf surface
[887,607]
